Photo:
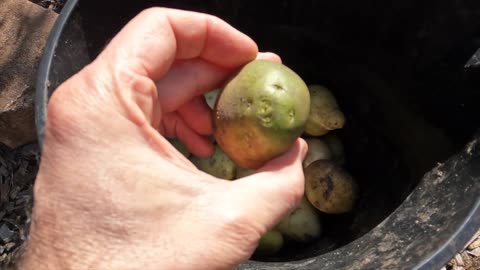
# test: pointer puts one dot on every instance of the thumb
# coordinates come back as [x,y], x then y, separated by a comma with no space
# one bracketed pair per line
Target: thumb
[275,190]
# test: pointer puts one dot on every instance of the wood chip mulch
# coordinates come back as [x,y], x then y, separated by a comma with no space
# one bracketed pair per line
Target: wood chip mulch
[18,169]
[468,259]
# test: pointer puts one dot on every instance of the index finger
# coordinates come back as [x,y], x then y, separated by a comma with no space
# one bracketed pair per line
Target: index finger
[152,40]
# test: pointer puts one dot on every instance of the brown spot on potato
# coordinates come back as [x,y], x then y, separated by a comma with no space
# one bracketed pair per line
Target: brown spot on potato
[329,187]
[277,86]
[328,182]
[314,185]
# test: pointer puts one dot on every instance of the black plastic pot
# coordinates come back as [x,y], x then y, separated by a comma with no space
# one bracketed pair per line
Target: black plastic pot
[398,71]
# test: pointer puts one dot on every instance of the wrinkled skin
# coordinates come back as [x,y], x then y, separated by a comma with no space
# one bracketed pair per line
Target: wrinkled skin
[113,193]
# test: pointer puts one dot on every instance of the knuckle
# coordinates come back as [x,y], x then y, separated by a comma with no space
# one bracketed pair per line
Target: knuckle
[71,105]
[151,11]
[132,79]
[213,19]
[141,92]
[61,113]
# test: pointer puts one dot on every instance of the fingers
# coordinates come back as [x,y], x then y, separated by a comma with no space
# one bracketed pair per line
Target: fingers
[173,126]
[195,113]
[193,78]
[275,189]
[197,116]
[204,77]
[203,48]
[187,79]
[185,54]
[151,42]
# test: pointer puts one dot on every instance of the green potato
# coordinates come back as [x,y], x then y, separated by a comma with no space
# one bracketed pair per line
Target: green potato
[180,147]
[243,172]
[325,114]
[270,243]
[303,224]
[317,149]
[330,188]
[260,112]
[218,164]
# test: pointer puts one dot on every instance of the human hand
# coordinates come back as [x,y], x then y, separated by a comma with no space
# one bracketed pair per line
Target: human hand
[113,193]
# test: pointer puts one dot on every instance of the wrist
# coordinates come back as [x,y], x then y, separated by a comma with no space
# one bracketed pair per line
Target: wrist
[60,239]
[44,252]
[68,239]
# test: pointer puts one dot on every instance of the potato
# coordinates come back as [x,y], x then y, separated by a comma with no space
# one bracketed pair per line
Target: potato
[270,243]
[218,164]
[325,115]
[330,188]
[243,172]
[180,146]
[261,111]
[317,149]
[303,224]
[336,148]
[211,97]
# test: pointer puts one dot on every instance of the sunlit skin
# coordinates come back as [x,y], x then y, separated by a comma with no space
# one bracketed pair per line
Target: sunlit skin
[113,193]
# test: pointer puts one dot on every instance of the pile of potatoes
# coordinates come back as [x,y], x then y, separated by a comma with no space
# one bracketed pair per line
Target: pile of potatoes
[329,188]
